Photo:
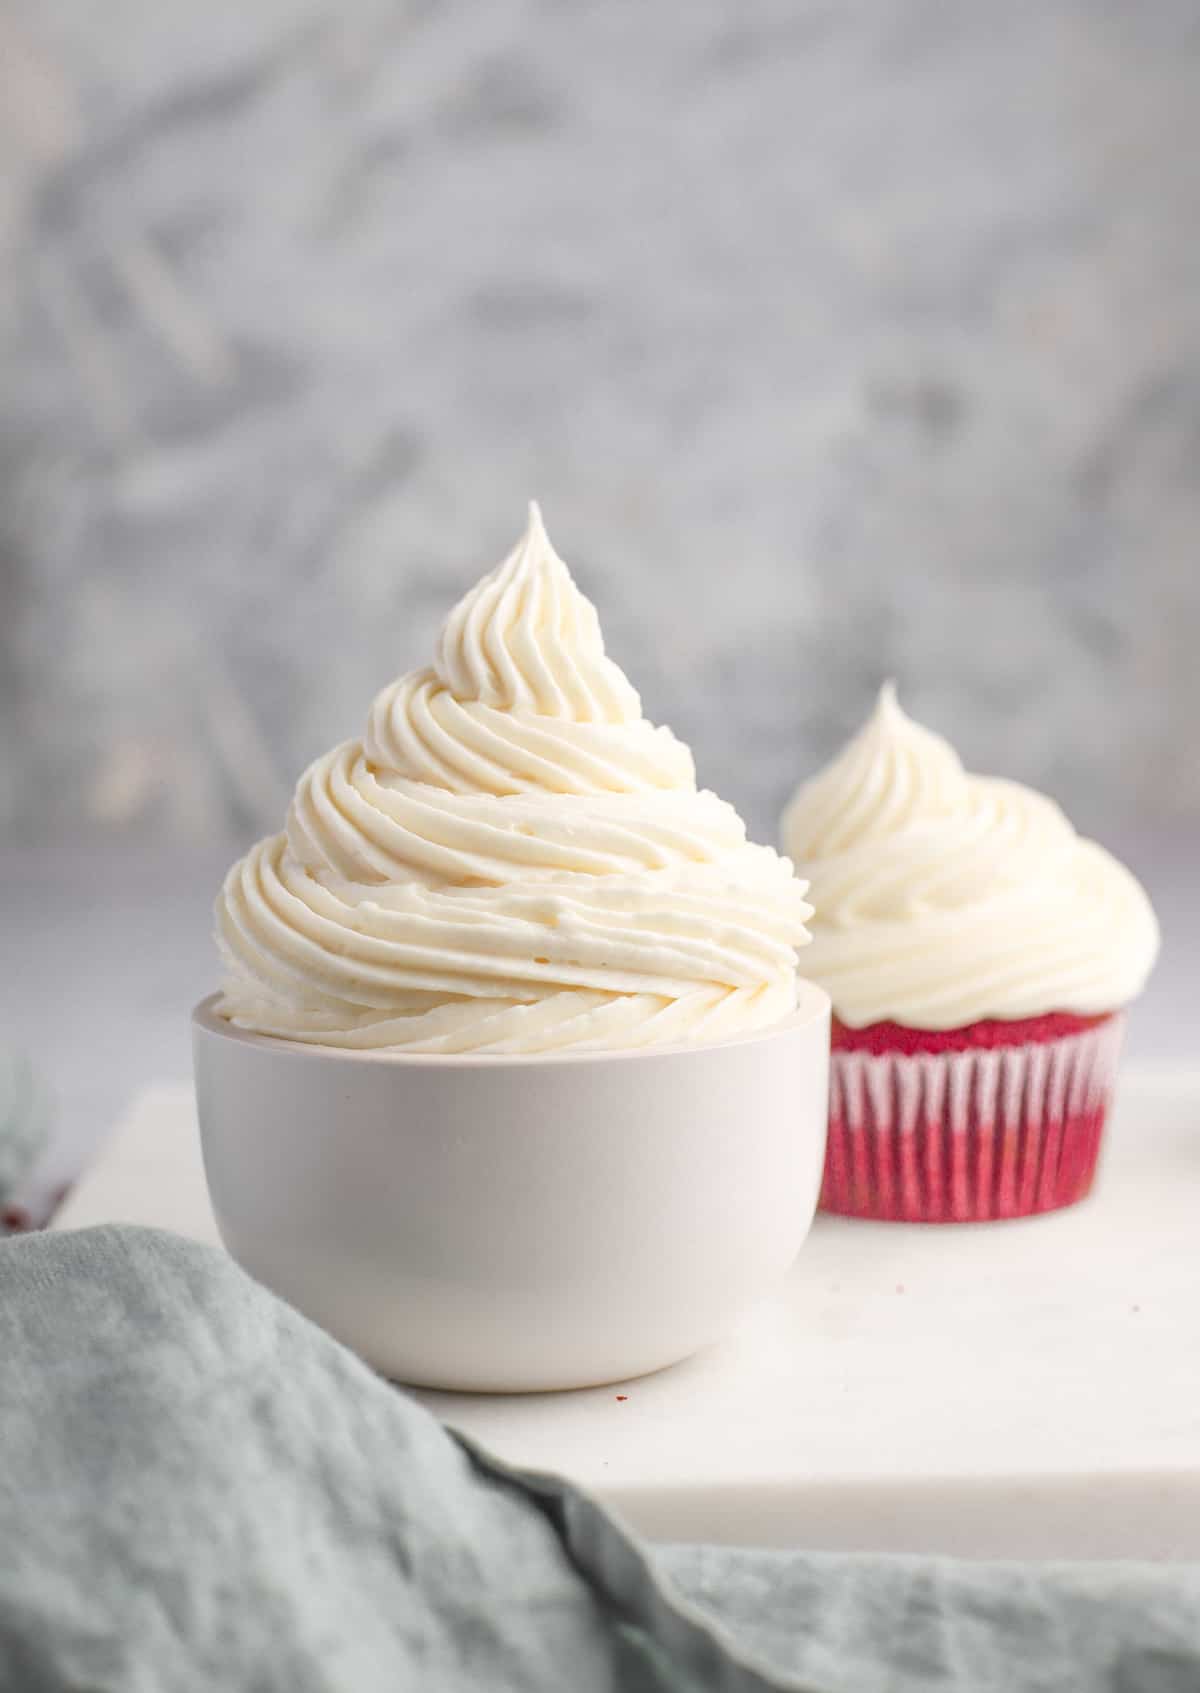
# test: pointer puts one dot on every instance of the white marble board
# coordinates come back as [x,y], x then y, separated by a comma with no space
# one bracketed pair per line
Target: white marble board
[1028,1389]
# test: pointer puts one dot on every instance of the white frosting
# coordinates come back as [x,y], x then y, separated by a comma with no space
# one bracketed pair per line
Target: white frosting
[511,860]
[942,898]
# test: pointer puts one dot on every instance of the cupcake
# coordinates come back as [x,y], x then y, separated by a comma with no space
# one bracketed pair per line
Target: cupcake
[979,955]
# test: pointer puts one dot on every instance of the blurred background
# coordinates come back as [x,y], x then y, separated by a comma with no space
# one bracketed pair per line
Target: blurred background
[837,340]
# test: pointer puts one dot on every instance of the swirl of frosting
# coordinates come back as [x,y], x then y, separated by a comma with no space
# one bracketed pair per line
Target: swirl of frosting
[511,860]
[943,898]
[526,640]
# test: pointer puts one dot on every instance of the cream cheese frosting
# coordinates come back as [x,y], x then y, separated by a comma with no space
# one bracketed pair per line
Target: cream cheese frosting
[512,859]
[943,898]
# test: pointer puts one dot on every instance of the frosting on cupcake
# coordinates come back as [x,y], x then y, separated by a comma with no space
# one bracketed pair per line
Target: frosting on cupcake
[512,859]
[943,898]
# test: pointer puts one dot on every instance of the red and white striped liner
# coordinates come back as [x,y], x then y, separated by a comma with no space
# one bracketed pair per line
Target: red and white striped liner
[968,1135]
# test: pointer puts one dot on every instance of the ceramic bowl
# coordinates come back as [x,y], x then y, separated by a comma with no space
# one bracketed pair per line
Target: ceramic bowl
[510,1224]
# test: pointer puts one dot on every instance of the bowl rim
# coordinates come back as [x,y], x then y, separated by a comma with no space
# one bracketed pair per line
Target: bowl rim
[812,1003]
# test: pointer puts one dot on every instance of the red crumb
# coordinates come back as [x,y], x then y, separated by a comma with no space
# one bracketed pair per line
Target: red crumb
[621,1397]
[992,1032]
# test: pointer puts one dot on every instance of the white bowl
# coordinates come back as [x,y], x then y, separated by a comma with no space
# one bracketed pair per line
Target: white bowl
[510,1224]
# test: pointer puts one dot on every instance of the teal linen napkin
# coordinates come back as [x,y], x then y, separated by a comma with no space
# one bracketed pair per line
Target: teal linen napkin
[199,1489]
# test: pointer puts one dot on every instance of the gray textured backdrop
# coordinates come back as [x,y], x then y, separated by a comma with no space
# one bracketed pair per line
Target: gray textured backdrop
[836,339]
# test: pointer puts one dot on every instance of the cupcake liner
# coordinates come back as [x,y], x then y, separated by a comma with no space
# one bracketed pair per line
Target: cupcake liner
[966,1135]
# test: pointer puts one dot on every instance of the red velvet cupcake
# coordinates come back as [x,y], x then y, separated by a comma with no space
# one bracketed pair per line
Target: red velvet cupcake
[979,955]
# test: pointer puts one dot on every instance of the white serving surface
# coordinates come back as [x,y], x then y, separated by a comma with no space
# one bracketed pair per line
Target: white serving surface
[1023,1389]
